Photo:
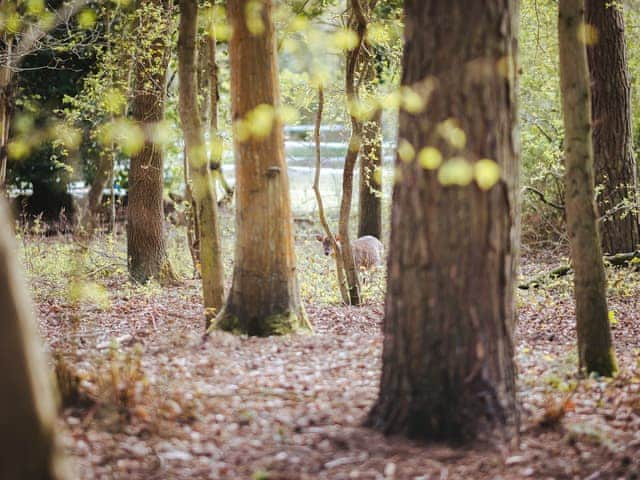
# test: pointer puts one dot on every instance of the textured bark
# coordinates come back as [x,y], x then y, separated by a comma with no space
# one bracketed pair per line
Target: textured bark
[615,166]
[27,408]
[206,207]
[264,297]
[595,350]
[146,244]
[448,369]
[370,211]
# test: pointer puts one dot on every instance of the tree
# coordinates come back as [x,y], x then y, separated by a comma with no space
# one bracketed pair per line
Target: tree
[615,166]
[27,407]
[14,47]
[206,208]
[370,194]
[595,350]
[146,244]
[448,370]
[264,297]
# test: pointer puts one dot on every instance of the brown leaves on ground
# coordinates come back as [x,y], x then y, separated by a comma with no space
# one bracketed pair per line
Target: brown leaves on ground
[291,408]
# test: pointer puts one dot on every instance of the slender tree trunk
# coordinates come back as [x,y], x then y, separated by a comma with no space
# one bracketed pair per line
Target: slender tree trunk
[264,297]
[206,211]
[370,204]
[146,244]
[615,166]
[448,369]
[5,112]
[27,407]
[342,281]
[94,198]
[595,350]
[215,154]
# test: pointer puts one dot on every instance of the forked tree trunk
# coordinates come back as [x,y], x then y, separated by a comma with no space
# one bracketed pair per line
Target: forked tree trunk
[90,217]
[615,166]
[595,350]
[206,211]
[146,244]
[370,205]
[264,297]
[27,408]
[448,368]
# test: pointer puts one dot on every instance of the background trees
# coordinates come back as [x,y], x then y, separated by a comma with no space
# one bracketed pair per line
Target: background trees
[448,370]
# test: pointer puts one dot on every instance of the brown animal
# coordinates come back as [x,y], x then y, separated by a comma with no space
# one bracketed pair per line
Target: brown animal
[368,251]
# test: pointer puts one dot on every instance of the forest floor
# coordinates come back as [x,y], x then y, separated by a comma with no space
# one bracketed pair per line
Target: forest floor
[155,401]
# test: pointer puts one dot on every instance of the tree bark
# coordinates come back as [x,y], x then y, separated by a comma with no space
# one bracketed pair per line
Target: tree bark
[595,350]
[448,369]
[146,244]
[370,211]
[615,166]
[264,297]
[206,211]
[28,448]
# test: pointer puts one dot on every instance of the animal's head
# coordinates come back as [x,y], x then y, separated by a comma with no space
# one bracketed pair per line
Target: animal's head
[326,243]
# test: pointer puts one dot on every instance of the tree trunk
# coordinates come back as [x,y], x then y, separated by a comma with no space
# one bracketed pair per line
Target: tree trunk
[370,212]
[90,217]
[27,408]
[264,297]
[5,112]
[595,351]
[206,211]
[448,369]
[146,245]
[615,166]
[215,155]
[342,281]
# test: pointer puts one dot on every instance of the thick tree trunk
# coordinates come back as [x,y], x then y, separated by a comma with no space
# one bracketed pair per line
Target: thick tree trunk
[595,351]
[206,211]
[27,407]
[146,245]
[370,208]
[615,166]
[448,369]
[264,297]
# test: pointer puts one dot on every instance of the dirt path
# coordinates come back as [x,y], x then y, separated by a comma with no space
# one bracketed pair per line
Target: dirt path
[291,408]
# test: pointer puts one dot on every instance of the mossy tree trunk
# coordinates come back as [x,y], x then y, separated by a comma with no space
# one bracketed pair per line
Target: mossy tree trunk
[146,243]
[448,368]
[206,208]
[595,349]
[615,166]
[27,407]
[264,297]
